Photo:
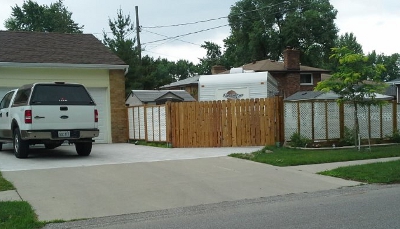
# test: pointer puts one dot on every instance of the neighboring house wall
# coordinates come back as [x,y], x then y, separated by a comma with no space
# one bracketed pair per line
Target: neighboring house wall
[193,90]
[133,100]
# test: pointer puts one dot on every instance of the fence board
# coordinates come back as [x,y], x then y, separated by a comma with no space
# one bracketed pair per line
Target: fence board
[225,123]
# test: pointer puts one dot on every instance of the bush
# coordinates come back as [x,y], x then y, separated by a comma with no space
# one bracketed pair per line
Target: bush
[297,140]
[395,137]
[348,137]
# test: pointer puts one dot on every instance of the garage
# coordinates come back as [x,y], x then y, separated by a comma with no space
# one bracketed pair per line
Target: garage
[100,97]
[73,58]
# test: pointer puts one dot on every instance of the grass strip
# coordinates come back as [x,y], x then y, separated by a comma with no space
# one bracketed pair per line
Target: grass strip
[381,172]
[283,156]
[5,184]
[18,215]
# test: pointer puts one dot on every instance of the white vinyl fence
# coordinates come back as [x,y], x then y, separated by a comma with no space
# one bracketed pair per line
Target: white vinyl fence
[147,123]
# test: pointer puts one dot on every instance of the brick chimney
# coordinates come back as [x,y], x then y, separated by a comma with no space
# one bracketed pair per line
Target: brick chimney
[217,69]
[291,59]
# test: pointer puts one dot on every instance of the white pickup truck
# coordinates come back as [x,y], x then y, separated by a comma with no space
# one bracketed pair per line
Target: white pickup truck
[49,114]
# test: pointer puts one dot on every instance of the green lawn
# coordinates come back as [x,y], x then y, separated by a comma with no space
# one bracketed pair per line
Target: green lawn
[382,172]
[282,156]
[18,215]
[5,185]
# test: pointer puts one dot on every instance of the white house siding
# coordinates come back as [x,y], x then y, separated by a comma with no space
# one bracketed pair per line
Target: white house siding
[96,80]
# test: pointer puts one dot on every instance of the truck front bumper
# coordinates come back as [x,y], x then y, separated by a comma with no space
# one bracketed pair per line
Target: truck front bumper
[52,134]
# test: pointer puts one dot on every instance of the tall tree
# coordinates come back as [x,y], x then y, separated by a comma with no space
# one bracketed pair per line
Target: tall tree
[357,81]
[124,47]
[391,63]
[261,29]
[346,40]
[41,18]
[213,57]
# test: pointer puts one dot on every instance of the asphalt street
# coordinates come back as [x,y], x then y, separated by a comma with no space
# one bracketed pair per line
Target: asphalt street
[359,207]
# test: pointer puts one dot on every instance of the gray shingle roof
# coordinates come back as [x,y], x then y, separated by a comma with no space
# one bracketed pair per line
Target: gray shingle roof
[37,47]
[277,66]
[187,81]
[304,95]
[152,95]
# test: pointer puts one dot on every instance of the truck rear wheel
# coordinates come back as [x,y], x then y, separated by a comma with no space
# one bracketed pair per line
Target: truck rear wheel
[83,148]
[1,146]
[21,147]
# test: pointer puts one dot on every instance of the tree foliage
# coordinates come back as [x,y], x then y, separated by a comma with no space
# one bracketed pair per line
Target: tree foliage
[124,47]
[391,63]
[357,80]
[261,29]
[42,18]
[213,57]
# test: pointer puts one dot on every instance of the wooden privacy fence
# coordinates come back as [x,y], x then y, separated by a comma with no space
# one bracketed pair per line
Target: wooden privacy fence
[251,122]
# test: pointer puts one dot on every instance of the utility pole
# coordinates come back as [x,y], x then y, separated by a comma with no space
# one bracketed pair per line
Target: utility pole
[138,33]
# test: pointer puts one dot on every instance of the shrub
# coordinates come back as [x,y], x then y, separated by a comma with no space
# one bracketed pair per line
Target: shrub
[297,140]
[348,137]
[395,137]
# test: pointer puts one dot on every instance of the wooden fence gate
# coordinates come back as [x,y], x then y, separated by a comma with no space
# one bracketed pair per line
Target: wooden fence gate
[251,122]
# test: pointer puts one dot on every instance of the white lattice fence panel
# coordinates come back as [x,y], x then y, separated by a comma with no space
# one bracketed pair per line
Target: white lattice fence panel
[290,119]
[156,124]
[363,121]
[333,125]
[387,120]
[130,123]
[306,120]
[348,116]
[163,124]
[320,118]
[140,131]
[150,117]
[398,117]
[375,121]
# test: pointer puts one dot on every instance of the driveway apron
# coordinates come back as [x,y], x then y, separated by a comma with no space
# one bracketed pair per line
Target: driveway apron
[123,178]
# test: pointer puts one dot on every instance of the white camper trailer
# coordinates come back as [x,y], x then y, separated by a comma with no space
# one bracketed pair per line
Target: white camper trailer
[248,85]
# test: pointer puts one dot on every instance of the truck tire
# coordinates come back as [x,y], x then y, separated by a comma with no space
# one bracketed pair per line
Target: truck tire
[21,147]
[83,148]
[1,146]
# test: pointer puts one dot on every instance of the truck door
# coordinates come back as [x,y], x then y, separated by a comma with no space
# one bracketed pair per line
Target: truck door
[5,122]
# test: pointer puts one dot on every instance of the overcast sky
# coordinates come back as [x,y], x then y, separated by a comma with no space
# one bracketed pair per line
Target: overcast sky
[374,22]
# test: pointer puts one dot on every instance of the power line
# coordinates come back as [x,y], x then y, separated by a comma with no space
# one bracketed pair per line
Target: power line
[169,37]
[181,24]
[208,20]
[186,34]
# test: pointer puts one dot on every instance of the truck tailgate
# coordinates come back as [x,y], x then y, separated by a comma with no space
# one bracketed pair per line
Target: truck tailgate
[63,117]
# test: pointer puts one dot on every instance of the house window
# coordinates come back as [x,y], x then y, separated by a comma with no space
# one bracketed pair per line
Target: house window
[306,79]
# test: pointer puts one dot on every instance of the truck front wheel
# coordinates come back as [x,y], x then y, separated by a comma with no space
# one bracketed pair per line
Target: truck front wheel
[21,147]
[83,148]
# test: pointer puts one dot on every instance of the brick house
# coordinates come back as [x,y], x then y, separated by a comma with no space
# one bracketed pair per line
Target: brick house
[28,57]
[290,74]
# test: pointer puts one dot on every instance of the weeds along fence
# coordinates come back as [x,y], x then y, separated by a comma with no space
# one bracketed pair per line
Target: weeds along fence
[251,122]
[327,120]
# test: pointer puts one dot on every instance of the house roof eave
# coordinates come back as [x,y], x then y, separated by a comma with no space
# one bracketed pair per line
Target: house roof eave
[64,65]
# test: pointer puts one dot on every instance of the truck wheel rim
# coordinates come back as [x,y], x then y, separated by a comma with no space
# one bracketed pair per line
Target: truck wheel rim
[16,141]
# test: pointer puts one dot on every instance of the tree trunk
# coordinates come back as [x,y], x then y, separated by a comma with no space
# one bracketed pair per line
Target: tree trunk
[356,123]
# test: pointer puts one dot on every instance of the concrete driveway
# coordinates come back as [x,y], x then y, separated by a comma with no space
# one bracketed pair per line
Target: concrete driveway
[123,178]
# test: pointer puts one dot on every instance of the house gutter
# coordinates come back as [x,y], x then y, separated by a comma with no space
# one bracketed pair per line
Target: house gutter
[61,65]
